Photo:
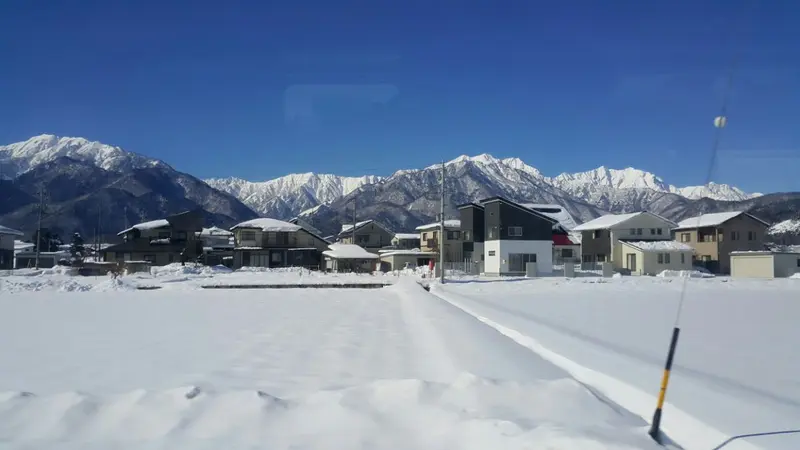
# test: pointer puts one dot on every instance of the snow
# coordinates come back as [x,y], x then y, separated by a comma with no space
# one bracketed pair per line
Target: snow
[348,251]
[416,252]
[215,231]
[606,221]
[266,224]
[394,368]
[11,231]
[349,226]
[735,364]
[684,274]
[787,226]
[709,220]
[151,225]
[21,246]
[450,223]
[563,216]
[414,236]
[660,246]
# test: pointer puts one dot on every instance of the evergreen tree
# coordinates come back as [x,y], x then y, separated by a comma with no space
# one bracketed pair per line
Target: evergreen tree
[76,249]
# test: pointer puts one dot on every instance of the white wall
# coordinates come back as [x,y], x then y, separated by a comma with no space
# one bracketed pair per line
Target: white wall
[498,264]
[644,221]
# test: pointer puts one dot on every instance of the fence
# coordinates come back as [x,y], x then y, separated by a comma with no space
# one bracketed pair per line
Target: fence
[463,267]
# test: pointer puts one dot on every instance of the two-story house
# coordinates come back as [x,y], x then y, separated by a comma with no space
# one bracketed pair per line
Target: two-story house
[472,232]
[369,235]
[266,242]
[566,244]
[451,240]
[405,241]
[601,237]
[217,246]
[161,241]
[715,236]
[7,236]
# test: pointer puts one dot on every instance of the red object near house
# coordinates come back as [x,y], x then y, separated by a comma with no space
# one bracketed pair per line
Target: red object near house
[562,239]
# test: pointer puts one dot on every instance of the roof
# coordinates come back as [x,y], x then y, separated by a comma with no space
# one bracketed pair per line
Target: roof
[659,246]
[613,220]
[151,225]
[349,226]
[408,253]
[762,252]
[452,223]
[406,235]
[267,224]
[712,220]
[215,231]
[348,251]
[563,239]
[470,204]
[11,231]
[555,212]
[520,206]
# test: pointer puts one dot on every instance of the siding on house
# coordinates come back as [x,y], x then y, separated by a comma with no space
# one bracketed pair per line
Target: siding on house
[370,236]
[713,245]
[654,262]
[763,264]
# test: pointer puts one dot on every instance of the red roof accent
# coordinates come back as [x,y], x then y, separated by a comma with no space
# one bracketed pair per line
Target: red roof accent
[562,239]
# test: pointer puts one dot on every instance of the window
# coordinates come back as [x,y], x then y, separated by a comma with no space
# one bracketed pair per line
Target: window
[683,258]
[601,257]
[659,231]
[362,239]
[247,236]
[705,258]
[638,231]
[180,235]
[633,230]
[466,235]
[597,234]
[282,238]
[666,258]
[424,236]
[163,234]
[491,252]
[515,231]
[493,233]
[653,231]
[452,235]
[150,258]
[798,262]
[686,237]
[587,258]
[751,235]
[517,261]
[734,235]
[661,258]
[276,257]
[566,253]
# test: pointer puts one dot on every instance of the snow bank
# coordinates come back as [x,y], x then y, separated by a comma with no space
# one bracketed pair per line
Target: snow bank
[796,276]
[115,284]
[467,413]
[684,274]
[176,269]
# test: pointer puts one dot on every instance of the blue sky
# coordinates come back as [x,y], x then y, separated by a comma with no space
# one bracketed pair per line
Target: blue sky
[261,89]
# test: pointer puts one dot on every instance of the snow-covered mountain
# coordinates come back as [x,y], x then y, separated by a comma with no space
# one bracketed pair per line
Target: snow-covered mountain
[289,195]
[22,156]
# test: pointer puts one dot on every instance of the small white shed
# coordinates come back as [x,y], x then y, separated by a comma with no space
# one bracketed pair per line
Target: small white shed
[764,264]
[654,257]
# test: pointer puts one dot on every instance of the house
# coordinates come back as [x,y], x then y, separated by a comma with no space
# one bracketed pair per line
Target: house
[514,236]
[429,239]
[715,236]
[764,264]
[369,234]
[472,232]
[306,225]
[566,244]
[406,241]
[7,236]
[217,245]
[601,237]
[27,259]
[269,242]
[349,258]
[160,242]
[653,257]
[402,259]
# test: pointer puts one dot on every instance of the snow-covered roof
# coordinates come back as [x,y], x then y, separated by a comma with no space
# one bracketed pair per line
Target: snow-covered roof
[349,226]
[416,252]
[19,245]
[151,225]
[613,220]
[712,220]
[406,235]
[659,246]
[348,251]
[563,216]
[267,224]
[215,231]
[11,231]
[452,223]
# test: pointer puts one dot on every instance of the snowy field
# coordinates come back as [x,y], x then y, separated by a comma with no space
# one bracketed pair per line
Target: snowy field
[90,363]
[736,367]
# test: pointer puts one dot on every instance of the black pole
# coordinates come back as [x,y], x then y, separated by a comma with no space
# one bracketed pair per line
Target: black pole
[656,425]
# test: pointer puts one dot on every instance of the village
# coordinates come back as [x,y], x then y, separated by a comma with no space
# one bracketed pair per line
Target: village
[492,237]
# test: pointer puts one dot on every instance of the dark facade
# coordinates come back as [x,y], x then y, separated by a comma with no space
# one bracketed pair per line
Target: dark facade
[6,259]
[503,220]
[473,228]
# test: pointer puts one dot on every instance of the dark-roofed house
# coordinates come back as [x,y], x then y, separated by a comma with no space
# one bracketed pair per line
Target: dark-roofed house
[161,241]
[369,234]
[715,236]
[266,242]
[7,236]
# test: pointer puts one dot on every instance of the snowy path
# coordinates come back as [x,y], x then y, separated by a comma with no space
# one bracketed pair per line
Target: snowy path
[735,367]
[393,368]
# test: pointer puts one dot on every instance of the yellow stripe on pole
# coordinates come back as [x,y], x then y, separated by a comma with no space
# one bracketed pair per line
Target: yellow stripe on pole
[663,391]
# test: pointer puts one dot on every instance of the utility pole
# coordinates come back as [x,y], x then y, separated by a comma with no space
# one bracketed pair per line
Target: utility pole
[355,197]
[441,230]
[99,231]
[39,226]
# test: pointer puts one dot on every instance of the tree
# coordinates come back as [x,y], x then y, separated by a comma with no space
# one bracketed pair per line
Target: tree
[48,241]
[76,249]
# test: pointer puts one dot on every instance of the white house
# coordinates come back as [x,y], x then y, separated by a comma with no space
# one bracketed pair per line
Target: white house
[654,257]
[7,236]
